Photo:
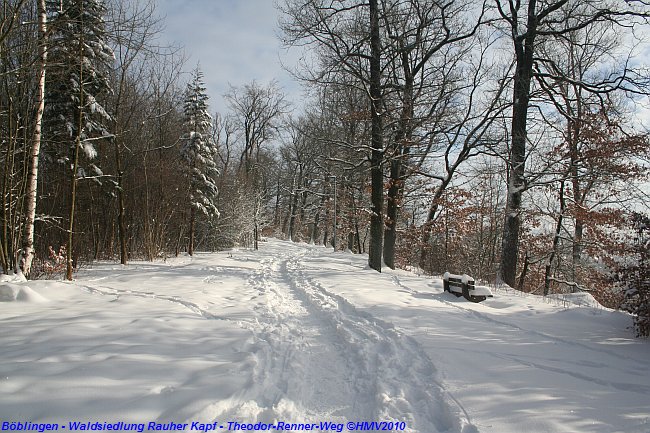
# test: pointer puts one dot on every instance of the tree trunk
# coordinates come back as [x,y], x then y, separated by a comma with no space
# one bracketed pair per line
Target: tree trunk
[392,213]
[433,210]
[75,158]
[190,246]
[121,217]
[73,199]
[516,183]
[577,244]
[524,272]
[8,206]
[292,214]
[578,200]
[314,230]
[276,211]
[376,171]
[397,171]
[556,242]
[293,203]
[32,177]
[121,212]
[357,237]
[326,231]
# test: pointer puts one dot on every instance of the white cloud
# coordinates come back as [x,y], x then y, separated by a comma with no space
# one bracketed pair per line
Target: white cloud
[234,41]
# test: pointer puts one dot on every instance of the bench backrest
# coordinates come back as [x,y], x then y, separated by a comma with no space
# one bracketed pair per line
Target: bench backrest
[457,280]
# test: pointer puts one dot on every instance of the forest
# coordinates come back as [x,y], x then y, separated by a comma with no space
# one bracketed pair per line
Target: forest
[501,139]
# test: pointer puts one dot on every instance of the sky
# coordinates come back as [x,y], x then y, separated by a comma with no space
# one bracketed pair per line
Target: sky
[233,41]
[236,42]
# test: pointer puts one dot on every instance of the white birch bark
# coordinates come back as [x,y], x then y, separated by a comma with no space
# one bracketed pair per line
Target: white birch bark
[27,254]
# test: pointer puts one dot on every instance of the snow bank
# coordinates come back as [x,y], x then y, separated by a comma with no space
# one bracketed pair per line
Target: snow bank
[10,292]
[15,278]
[581,299]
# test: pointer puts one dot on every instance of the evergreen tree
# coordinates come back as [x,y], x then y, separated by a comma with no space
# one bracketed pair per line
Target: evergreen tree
[80,61]
[199,151]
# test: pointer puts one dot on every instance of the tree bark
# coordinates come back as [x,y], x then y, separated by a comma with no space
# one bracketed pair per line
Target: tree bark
[32,178]
[121,216]
[524,49]
[73,198]
[75,158]
[376,171]
[292,215]
[556,242]
[190,246]
[578,198]
[397,166]
[433,210]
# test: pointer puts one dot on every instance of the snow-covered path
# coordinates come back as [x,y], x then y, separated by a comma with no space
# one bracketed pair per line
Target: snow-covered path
[295,333]
[318,358]
[516,362]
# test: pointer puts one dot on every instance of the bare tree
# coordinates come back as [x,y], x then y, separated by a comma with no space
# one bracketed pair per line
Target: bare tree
[257,111]
[17,45]
[11,14]
[425,44]
[348,43]
[376,143]
[134,28]
[527,23]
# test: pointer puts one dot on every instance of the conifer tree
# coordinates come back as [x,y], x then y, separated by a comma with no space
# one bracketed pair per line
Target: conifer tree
[80,61]
[198,152]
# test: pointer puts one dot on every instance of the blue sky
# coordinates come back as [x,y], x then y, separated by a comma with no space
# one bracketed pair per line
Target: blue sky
[235,42]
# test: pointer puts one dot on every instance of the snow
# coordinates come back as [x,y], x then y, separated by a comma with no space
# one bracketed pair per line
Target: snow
[296,333]
[14,292]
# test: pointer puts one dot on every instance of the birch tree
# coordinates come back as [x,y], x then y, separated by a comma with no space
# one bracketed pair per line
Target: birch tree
[27,253]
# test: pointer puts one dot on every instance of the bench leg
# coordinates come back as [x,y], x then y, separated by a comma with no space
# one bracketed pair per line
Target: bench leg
[466,292]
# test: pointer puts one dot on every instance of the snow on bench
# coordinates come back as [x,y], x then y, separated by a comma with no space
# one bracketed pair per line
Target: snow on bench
[463,285]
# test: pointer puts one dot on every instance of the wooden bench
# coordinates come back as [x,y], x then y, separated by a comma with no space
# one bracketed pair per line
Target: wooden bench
[464,285]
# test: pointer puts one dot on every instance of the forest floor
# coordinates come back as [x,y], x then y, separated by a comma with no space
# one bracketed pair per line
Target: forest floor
[295,333]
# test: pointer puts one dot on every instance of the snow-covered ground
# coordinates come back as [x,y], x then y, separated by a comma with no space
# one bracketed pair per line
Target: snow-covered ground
[297,334]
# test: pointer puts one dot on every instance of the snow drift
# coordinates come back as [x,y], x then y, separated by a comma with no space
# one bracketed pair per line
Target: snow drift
[14,292]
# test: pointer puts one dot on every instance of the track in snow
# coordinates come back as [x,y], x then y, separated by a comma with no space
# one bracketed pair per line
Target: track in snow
[295,333]
[570,364]
[109,291]
[318,357]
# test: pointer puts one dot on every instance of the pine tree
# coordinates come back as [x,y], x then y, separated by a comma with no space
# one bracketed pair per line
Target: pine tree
[198,152]
[80,62]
